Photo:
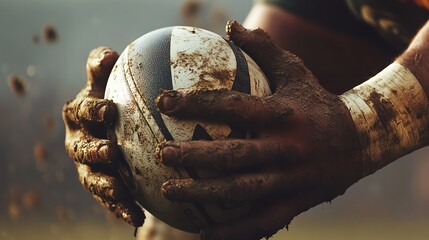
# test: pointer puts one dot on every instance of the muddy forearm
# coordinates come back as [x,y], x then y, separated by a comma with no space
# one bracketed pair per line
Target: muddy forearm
[391,110]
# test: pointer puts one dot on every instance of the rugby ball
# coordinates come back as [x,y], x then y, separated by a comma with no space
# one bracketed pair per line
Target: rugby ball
[175,58]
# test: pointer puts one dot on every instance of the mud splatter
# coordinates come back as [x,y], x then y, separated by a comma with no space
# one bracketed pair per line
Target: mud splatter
[49,123]
[50,34]
[18,85]
[40,153]
[14,211]
[31,199]
[191,9]
[383,107]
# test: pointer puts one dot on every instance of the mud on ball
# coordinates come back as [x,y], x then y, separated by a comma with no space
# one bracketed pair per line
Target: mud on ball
[168,59]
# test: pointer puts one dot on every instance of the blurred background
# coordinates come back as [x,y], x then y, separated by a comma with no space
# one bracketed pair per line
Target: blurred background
[43,49]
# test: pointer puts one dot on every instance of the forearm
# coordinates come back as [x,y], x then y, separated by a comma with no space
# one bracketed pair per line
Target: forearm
[391,110]
[328,53]
[416,57]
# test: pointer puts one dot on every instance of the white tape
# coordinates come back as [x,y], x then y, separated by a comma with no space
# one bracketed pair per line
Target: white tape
[390,112]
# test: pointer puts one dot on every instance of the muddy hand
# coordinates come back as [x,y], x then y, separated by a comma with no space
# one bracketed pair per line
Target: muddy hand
[86,118]
[304,152]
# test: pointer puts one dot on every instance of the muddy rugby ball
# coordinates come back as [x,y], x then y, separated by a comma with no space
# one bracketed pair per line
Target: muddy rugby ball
[174,58]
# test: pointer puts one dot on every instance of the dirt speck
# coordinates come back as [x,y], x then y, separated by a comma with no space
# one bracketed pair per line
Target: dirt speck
[191,8]
[39,151]
[50,34]
[49,122]
[31,199]
[18,85]
[14,211]
[221,75]
[383,107]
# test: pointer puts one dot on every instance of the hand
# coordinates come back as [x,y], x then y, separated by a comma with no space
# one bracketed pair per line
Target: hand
[304,149]
[86,118]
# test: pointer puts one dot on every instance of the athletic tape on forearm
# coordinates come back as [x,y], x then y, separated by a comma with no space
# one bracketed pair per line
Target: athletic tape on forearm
[390,112]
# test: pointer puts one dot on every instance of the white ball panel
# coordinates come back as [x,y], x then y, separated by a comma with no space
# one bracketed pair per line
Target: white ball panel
[136,139]
[204,61]
[200,58]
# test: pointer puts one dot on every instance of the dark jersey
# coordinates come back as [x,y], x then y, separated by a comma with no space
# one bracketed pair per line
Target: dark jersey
[397,21]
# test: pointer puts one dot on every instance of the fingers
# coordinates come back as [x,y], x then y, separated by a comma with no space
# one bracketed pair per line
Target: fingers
[128,210]
[236,190]
[227,155]
[111,193]
[266,221]
[91,151]
[256,42]
[222,105]
[279,66]
[82,110]
[108,187]
[88,105]
[99,65]
[82,117]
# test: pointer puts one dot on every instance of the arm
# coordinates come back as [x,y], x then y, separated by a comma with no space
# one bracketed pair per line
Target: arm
[323,49]
[308,146]
[390,111]
[416,57]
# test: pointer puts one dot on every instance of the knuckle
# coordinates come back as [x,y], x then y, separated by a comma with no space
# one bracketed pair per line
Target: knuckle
[104,186]
[100,58]
[278,110]
[87,150]
[71,146]
[97,110]
[66,106]
[236,193]
[69,111]
[87,110]
[64,113]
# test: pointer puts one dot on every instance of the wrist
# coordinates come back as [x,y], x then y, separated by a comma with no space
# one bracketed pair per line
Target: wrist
[390,113]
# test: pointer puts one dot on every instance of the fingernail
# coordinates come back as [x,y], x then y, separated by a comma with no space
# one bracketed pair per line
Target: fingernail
[101,112]
[169,154]
[103,152]
[168,100]
[106,114]
[108,57]
[171,190]
[108,153]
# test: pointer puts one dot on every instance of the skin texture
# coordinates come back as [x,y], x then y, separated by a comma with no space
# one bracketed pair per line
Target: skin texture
[85,118]
[304,152]
[326,52]
[303,168]
[308,152]
[416,57]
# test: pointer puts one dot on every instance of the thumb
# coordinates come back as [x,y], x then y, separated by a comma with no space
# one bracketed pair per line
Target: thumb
[280,66]
[98,67]
[257,43]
